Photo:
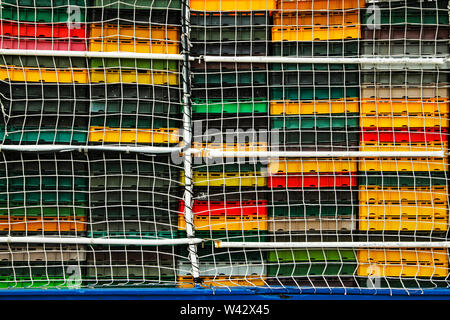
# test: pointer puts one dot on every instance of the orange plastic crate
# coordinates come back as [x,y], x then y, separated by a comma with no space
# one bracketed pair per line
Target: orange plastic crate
[405,262]
[300,19]
[223,281]
[315,33]
[123,135]
[232,5]
[45,224]
[320,4]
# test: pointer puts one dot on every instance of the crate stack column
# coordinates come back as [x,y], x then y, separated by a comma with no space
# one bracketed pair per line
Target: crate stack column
[135,102]
[313,107]
[230,99]
[45,99]
[138,30]
[404,109]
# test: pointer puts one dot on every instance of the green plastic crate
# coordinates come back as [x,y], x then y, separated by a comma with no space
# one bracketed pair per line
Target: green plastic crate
[311,269]
[44,198]
[138,4]
[230,78]
[313,67]
[56,15]
[48,3]
[48,107]
[311,255]
[400,16]
[166,65]
[130,121]
[317,138]
[47,211]
[39,135]
[136,107]
[44,183]
[335,122]
[230,106]
[312,93]
[316,48]
[36,282]
[403,179]
[44,62]
[224,34]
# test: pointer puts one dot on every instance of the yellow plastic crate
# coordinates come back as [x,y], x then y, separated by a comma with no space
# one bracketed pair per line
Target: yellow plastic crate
[405,262]
[315,33]
[403,164]
[201,149]
[134,76]
[225,222]
[312,165]
[123,135]
[223,281]
[405,209]
[232,5]
[314,107]
[316,19]
[405,106]
[228,179]
[416,146]
[402,121]
[320,4]
[403,223]
[139,46]
[109,31]
[24,74]
[434,195]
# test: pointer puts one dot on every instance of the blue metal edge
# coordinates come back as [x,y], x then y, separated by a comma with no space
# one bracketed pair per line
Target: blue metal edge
[243,293]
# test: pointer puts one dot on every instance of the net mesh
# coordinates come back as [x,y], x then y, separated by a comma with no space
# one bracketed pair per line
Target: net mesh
[196,75]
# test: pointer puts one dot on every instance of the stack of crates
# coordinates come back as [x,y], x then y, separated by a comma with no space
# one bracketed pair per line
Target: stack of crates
[135,101]
[31,82]
[229,106]
[137,266]
[404,109]
[313,107]
[42,195]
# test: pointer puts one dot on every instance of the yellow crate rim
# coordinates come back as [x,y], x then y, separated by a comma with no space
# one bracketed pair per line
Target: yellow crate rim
[125,135]
[315,33]
[312,165]
[280,107]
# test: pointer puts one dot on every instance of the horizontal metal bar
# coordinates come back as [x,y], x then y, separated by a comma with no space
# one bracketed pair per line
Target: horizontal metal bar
[100,241]
[214,153]
[356,244]
[91,54]
[337,60]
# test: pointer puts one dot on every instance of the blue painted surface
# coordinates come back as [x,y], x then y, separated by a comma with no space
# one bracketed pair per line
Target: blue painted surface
[226,294]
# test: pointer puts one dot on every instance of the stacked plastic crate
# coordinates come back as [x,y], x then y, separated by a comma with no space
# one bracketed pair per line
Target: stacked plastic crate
[229,108]
[314,107]
[134,102]
[404,109]
[44,101]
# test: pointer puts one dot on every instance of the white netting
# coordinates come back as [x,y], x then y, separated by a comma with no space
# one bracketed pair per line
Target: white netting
[230,143]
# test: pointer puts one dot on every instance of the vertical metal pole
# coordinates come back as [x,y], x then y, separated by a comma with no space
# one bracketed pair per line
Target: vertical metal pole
[187,139]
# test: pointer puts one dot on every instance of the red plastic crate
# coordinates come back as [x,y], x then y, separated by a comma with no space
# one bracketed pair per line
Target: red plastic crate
[41,30]
[237,208]
[312,180]
[44,44]
[404,134]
